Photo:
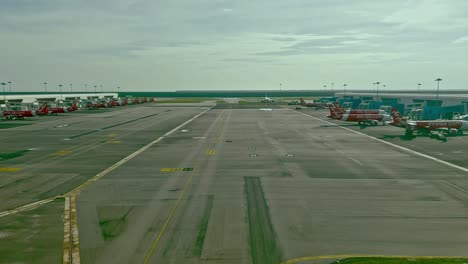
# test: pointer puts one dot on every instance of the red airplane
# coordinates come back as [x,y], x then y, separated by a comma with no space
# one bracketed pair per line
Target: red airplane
[56,110]
[114,103]
[368,119]
[335,109]
[96,105]
[10,114]
[452,127]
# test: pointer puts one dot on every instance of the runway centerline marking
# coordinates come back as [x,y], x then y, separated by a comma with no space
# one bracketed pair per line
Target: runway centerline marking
[390,144]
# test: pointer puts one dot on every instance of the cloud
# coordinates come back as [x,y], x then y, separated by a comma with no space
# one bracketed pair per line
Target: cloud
[461,40]
[212,43]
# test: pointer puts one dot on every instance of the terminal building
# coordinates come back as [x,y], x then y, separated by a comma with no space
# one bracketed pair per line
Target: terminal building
[420,106]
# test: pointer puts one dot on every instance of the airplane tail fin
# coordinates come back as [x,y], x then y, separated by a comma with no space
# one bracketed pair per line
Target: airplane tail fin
[44,109]
[398,119]
[73,107]
[302,101]
[339,109]
[332,111]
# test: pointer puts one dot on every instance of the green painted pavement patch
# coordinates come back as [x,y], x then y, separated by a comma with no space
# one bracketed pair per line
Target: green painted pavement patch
[400,261]
[12,155]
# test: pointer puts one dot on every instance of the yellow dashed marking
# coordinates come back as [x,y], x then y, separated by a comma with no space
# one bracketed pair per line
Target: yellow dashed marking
[62,153]
[176,169]
[113,141]
[211,152]
[9,169]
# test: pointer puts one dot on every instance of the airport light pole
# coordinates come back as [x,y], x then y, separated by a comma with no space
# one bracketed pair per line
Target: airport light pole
[71,87]
[4,98]
[332,86]
[280,90]
[344,89]
[86,88]
[9,86]
[377,90]
[419,87]
[95,89]
[45,87]
[438,80]
[101,87]
[61,97]
[118,90]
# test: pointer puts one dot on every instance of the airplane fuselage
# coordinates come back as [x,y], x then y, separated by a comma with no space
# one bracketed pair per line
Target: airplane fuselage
[433,125]
[364,117]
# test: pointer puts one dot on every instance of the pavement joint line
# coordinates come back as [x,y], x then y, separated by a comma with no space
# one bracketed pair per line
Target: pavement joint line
[390,144]
[301,259]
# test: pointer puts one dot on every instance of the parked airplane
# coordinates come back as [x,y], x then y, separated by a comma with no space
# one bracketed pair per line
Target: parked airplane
[96,104]
[360,111]
[10,114]
[304,103]
[56,110]
[450,127]
[267,100]
[335,109]
[367,119]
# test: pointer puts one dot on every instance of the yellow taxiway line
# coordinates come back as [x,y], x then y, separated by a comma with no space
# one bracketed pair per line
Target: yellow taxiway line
[9,169]
[168,219]
[61,153]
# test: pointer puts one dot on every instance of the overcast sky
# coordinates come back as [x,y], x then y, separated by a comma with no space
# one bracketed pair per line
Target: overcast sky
[145,45]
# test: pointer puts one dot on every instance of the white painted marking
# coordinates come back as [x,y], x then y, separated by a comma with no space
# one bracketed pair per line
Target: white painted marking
[355,161]
[131,156]
[184,130]
[27,206]
[198,137]
[101,174]
[66,139]
[390,144]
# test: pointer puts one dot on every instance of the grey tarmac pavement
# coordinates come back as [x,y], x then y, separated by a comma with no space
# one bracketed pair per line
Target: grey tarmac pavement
[302,186]
[326,191]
